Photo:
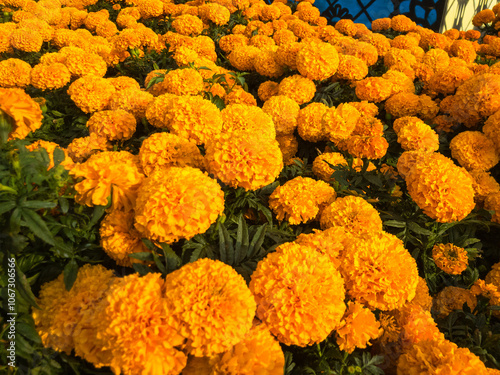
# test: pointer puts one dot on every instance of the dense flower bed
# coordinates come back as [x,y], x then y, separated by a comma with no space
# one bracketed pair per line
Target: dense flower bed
[236,187]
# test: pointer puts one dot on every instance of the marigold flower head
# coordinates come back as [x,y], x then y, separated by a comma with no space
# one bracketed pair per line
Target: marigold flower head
[183,82]
[450,258]
[242,57]
[229,42]
[50,76]
[267,89]
[266,64]
[164,150]
[124,82]
[238,95]
[26,40]
[474,151]
[493,277]
[357,328]
[339,122]
[362,50]
[298,88]
[422,297]
[492,203]
[259,352]
[374,89]
[453,298]
[194,118]
[417,325]
[317,61]
[309,122]
[400,82]
[370,147]
[483,17]
[211,304]
[464,50]
[452,199]
[50,148]
[398,57]
[351,68]
[156,109]
[91,93]
[81,149]
[241,117]
[437,59]
[289,145]
[447,80]
[61,310]
[417,135]
[381,24]
[24,113]
[14,73]
[263,42]
[296,272]
[315,195]
[491,128]
[81,64]
[284,112]
[321,167]
[188,24]
[402,23]
[403,104]
[287,54]
[378,259]
[484,184]
[108,173]
[284,36]
[113,124]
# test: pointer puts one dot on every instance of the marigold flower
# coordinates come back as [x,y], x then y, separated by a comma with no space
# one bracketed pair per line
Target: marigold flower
[447,80]
[364,51]
[402,23]
[49,77]
[464,50]
[491,128]
[229,42]
[351,68]
[131,100]
[378,259]
[374,89]
[164,150]
[112,125]
[339,122]
[81,64]
[26,40]
[321,167]
[91,93]
[81,149]
[262,42]
[483,17]
[242,57]
[211,305]
[61,310]
[403,104]
[309,122]
[284,112]
[450,258]
[238,95]
[315,195]
[437,59]
[298,273]
[474,151]
[370,147]
[25,114]
[357,328]
[298,88]
[484,184]
[257,353]
[248,160]
[317,61]
[188,24]
[287,54]
[14,73]
[124,82]
[183,82]
[50,148]
[156,109]
[289,146]
[453,298]
[492,203]
[440,188]
[267,89]
[417,135]
[381,24]
[284,36]
[108,173]
[493,277]
[266,64]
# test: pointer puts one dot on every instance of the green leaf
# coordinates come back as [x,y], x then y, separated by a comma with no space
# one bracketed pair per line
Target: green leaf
[15,220]
[36,224]
[7,206]
[70,274]
[222,244]
[64,204]
[159,263]
[144,256]
[58,156]
[395,223]
[36,205]
[141,269]
[24,289]
[242,241]
[172,260]
[257,241]
[229,246]
[28,331]
[375,180]
[96,216]
[414,227]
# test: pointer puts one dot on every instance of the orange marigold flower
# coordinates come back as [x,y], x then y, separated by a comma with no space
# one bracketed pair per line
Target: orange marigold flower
[175,203]
[493,277]
[357,328]
[453,298]
[402,23]
[284,112]
[483,17]
[268,89]
[351,68]
[450,258]
[492,203]
[378,259]
[62,310]
[188,24]
[403,104]
[108,173]
[287,54]
[309,122]
[321,167]
[491,128]
[14,73]
[91,93]
[184,56]
[119,238]
[211,305]
[21,111]
[440,188]
[238,95]
[247,160]
[298,88]
[26,40]
[339,122]
[400,81]
[50,148]
[50,76]
[289,146]
[314,194]
[246,118]
[81,64]
[242,57]
[183,82]
[124,82]
[370,147]
[484,185]
[284,36]
[263,42]
[298,273]
[164,150]
[317,61]
[352,213]
[194,118]
[156,109]
[81,149]
[398,57]
[266,64]
[417,135]
[112,125]
[232,41]
[474,151]
[464,50]
[374,89]
[381,24]
[437,59]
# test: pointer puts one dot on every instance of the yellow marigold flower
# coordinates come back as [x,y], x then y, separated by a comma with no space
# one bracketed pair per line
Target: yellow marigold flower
[298,88]
[91,93]
[184,56]
[450,258]
[453,298]
[446,81]
[119,238]
[262,42]
[321,168]
[378,259]
[26,40]
[352,213]
[314,194]
[115,334]
[298,273]
[194,118]
[124,82]
[491,128]
[483,17]
[189,202]
[440,188]
[284,112]
[309,122]
[346,27]
[242,57]
[131,100]
[211,305]
[156,109]
[357,328]
[229,42]
[464,50]
[188,24]
[351,68]
[398,57]
[289,146]
[400,81]
[403,104]
[474,151]
[81,149]
[248,160]
[183,82]
[108,173]
[158,88]
[238,95]
[50,148]
[339,122]
[267,89]
[82,64]
[245,118]
[317,61]
[492,203]
[61,311]
[484,184]
[150,8]
[24,113]
[417,325]
[418,136]
[50,76]
[266,64]
[374,89]
[257,353]
[164,150]
[437,59]
[402,23]
[284,36]
[370,147]
[112,125]
[14,73]
[287,54]
[368,126]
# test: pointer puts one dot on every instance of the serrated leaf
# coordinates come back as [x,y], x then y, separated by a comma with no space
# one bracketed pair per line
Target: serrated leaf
[172,260]
[414,227]
[7,206]
[144,256]
[229,246]
[96,215]
[395,223]
[242,241]
[196,254]
[36,205]
[64,204]
[70,274]
[28,331]
[36,224]
[257,241]
[24,289]
[141,269]
[222,245]
[159,263]
[58,156]
[15,220]
[375,180]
